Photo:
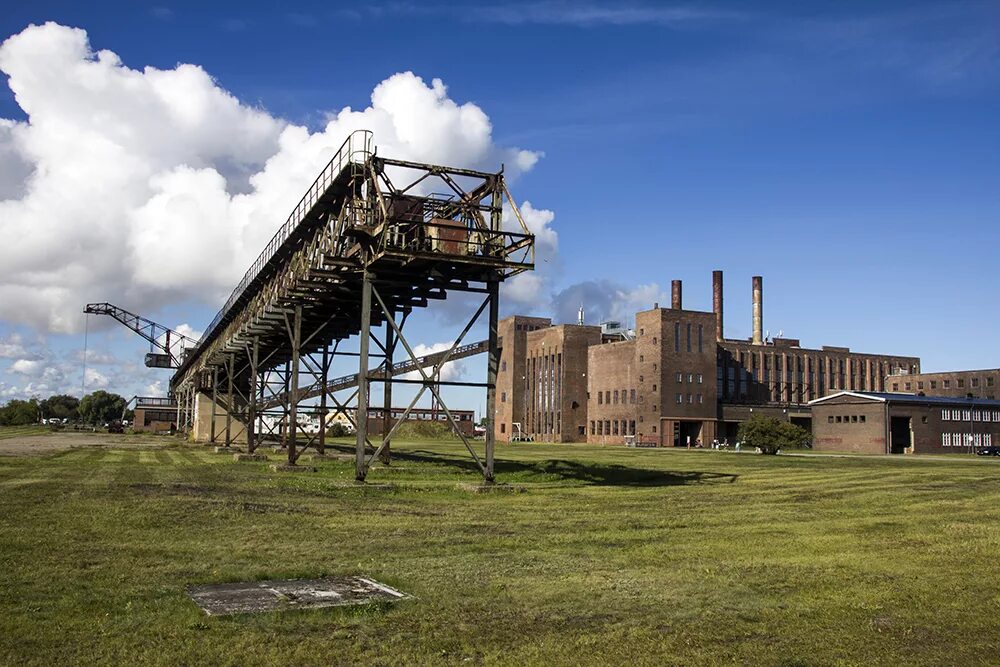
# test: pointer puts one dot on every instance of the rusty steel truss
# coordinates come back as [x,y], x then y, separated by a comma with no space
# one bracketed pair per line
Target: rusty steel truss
[371,241]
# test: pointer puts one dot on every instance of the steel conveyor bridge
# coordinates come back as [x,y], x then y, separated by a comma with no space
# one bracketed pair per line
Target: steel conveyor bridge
[364,248]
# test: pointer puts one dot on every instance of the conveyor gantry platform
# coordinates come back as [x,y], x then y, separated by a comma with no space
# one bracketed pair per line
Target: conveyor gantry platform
[369,242]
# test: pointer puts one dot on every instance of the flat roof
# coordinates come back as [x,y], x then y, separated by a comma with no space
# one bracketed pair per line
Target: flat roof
[895,397]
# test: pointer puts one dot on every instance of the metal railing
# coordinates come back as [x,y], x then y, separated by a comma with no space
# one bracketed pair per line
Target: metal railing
[356,149]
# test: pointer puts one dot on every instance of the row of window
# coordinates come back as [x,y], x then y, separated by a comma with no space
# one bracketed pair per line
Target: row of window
[612,427]
[846,419]
[679,329]
[691,378]
[971,415]
[966,440]
[691,398]
[612,397]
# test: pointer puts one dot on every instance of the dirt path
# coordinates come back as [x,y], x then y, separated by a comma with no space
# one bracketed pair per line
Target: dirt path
[31,445]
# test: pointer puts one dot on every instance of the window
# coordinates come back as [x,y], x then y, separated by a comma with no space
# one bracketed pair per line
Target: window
[920,385]
[680,398]
[961,382]
[607,397]
[699,399]
[680,377]
[989,382]
[654,387]
[933,384]
[839,419]
[946,439]
[631,397]
[600,427]
[829,420]
[854,419]
[987,440]
[946,415]
[923,420]
[862,419]
[895,385]
[614,424]
[677,336]
[503,397]
[690,378]
[947,384]
[689,337]
[907,386]
[690,399]
[641,357]
[654,367]
[616,397]
[642,332]
[700,378]
[977,416]
[503,428]
[503,366]
[592,429]
[654,340]
[975,382]
[600,398]
[966,416]
[700,337]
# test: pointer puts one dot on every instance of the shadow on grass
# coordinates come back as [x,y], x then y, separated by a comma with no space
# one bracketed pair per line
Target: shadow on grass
[557,470]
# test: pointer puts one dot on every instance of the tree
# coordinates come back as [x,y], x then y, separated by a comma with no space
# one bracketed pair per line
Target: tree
[770,434]
[61,406]
[20,413]
[100,407]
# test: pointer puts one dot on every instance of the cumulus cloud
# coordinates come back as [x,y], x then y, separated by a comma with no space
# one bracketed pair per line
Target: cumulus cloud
[28,367]
[604,300]
[451,371]
[12,347]
[157,186]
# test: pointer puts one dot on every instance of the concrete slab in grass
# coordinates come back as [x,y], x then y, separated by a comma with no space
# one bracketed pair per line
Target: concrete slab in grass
[275,595]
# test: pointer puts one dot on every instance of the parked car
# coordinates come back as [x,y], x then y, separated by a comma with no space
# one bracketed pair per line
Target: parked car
[988,451]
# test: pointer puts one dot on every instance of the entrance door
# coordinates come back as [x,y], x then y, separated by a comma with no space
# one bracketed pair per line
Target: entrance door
[900,435]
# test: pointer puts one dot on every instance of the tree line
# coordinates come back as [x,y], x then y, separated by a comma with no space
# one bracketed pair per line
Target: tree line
[95,408]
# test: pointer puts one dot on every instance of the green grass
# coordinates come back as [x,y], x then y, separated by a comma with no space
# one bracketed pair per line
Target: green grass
[8,432]
[611,556]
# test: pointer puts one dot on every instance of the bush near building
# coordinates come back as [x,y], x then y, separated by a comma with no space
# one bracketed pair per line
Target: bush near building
[771,435]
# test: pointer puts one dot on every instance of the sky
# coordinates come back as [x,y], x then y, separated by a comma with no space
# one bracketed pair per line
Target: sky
[848,152]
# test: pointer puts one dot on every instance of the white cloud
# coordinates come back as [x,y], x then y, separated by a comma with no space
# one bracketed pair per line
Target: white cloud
[12,347]
[172,179]
[451,371]
[604,300]
[96,380]
[27,367]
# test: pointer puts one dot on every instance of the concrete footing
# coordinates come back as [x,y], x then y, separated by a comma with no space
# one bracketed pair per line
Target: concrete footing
[249,457]
[284,467]
[226,450]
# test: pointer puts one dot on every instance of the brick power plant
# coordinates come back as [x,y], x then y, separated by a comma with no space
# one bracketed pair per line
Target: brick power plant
[672,379]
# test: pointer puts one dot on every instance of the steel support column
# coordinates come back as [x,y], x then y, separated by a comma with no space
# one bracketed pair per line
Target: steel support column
[493,365]
[390,343]
[360,466]
[215,398]
[252,398]
[293,398]
[230,368]
[325,373]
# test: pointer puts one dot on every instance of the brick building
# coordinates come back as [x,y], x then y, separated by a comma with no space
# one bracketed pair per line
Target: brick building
[673,378]
[893,423]
[957,384]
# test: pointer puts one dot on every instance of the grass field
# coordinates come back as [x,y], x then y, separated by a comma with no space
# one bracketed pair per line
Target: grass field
[8,432]
[610,556]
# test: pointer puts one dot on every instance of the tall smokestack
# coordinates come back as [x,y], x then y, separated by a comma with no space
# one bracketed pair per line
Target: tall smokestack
[717,303]
[758,310]
[675,295]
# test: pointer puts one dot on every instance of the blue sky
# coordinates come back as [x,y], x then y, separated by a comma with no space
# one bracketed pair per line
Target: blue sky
[848,152]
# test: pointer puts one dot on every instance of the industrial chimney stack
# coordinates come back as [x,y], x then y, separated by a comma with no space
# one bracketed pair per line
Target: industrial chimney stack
[717,303]
[758,310]
[675,295]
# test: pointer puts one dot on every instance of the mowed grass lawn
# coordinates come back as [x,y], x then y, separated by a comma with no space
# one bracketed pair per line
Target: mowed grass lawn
[611,556]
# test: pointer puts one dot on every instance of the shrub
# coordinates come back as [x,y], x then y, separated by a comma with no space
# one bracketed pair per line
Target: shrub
[771,435]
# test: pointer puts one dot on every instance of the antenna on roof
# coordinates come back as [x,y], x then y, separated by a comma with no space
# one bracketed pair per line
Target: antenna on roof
[580,316]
